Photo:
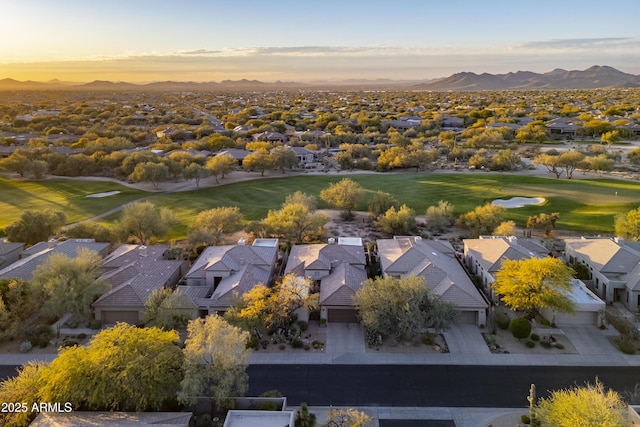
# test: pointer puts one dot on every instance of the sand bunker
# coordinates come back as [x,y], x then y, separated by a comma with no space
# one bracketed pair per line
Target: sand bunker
[518,202]
[107,194]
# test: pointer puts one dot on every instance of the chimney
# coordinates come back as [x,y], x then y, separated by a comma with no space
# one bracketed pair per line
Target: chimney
[331,241]
[52,243]
[142,250]
[242,242]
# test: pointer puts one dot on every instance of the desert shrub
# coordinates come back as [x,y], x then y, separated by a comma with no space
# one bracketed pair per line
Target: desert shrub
[303,325]
[82,336]
[428,338]
[545,322]
[25,346]
[252,342]
[39,335]
[95,324]
[267,406]
[297,343]
[503,320]
[271,393]
[520,327]
[204,420]
[307,347]
[627,347]
[531,344]
[525,419]
[318,345]
[559,346]
[535,337]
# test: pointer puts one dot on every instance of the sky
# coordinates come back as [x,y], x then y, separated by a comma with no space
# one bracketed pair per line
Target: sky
[285,40]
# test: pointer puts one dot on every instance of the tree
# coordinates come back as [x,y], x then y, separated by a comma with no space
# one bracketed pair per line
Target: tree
[380,203]
[17,302]
[600,163]
[634,156]
[144,221]
[150,172]
[69,285]
[611,137]
[258,160]
[215,361]
[439,218]
[23,388]
[196,172]
[628,225]
[36,226]
[295,223]
[554,164]
[273,308]
[400,308]
[348,417]
[124,368]
[589,405]
[91,230]
[505,160]
[570,160]
[483,219]
[344,194]
[505,228]
[222,164]
[284,158]
[211,226]
[304,418]
[302,198]
[398,222]
[544,222]
[535,283]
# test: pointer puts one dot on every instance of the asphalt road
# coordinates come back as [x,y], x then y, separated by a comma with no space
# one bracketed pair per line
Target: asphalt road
[424,385]
[429,386]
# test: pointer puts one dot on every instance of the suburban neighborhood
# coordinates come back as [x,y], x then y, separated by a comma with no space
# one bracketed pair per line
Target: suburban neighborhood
[208,235]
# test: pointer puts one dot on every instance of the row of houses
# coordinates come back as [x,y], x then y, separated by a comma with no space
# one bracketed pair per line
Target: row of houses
[222,273]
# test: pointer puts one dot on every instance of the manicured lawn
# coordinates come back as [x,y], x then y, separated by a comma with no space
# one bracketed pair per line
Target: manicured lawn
[586,205]
[65,195]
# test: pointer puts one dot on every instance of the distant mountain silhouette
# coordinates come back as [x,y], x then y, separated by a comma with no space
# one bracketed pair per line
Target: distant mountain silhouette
[591,78]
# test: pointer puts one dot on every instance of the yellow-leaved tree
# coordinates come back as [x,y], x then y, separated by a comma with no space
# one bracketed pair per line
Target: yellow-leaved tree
[535,283]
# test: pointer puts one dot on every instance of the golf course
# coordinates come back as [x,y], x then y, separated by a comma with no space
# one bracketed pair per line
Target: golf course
[588,205]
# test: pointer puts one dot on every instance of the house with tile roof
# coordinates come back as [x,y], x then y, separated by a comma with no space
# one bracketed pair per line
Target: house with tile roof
[134,273]
[436,261]
[614,267]
[484,256]
[39,253]
[223,273]
[340,269]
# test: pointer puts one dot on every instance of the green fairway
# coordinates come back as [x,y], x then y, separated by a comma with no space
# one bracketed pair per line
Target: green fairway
[584,205]
[65,195]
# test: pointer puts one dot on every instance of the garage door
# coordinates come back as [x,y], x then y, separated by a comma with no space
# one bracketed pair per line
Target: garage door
[343,316]
[113,317]
[470,317]
[578,318]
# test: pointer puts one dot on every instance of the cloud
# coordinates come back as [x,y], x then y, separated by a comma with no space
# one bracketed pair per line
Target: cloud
[199,52]
[584,43]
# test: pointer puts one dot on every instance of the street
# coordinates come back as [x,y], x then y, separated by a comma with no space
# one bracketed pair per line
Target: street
[426,385]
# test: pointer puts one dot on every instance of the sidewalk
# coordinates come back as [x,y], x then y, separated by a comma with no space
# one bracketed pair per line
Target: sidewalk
[345,345]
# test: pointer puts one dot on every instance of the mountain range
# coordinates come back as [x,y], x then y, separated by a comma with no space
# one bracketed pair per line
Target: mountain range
[591,78]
